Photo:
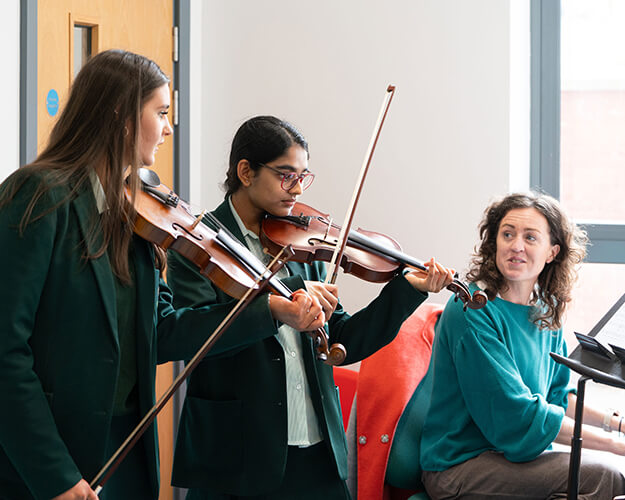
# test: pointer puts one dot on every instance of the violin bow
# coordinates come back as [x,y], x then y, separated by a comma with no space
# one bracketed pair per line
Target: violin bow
[109,468]
[339,249]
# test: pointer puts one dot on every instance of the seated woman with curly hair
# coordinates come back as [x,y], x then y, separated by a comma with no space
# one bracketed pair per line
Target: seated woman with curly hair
[498,400]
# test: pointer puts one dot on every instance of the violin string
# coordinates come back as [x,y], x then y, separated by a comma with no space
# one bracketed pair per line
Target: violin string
[273,280]
[330,223]
[218,225]
[215,223]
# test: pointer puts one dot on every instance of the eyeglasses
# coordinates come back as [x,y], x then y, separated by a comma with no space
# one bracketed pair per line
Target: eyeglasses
[290,179]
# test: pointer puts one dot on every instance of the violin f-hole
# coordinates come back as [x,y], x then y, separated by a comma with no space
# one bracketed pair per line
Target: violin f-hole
[313,241]
[197,237]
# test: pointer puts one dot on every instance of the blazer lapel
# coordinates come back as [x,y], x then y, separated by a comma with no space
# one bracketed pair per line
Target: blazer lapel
[85,207]
[223,213]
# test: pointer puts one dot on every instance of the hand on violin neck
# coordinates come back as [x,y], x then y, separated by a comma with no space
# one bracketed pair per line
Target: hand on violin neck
[434,279]
[302,312]
[327,294]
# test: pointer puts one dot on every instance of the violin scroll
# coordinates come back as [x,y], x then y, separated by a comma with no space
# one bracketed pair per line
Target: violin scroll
[333,355]
[477,300]
[337,354]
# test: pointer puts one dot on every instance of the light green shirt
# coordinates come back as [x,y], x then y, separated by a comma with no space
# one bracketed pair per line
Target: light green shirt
[302,420]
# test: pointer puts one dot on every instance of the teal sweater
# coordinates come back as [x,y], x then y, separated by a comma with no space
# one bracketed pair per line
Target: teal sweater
[495,387]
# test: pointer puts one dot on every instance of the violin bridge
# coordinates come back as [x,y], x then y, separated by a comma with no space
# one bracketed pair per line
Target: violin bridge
[197,220]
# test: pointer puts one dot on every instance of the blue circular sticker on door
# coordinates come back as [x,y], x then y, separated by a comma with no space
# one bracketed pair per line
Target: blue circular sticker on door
[52,102]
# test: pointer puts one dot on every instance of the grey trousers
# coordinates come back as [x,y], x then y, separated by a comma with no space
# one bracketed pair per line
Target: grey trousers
[490,475]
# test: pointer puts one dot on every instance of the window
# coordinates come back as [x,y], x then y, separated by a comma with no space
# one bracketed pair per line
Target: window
[578,116]
[578,136]
[82,46]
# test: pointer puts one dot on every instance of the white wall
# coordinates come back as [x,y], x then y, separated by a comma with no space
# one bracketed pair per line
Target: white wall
[9,88]
[456,135]
[456,127]
[196,109]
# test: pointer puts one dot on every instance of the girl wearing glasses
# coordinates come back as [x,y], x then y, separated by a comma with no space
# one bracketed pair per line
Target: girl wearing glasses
[262,420]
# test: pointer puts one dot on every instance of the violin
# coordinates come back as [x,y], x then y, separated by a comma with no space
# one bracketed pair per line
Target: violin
[164,219]
[368,255]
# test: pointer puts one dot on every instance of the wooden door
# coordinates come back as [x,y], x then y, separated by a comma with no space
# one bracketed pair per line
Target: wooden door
[142,26]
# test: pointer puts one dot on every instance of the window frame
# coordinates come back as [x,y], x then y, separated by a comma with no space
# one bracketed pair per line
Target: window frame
[607,240]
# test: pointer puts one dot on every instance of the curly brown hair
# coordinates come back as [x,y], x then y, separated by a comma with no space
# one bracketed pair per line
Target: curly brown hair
[556,280]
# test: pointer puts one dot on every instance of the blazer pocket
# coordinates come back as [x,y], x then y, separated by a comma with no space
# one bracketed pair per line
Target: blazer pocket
[210,437]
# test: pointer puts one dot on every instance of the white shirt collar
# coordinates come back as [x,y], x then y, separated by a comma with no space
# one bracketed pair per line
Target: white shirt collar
[244,230]
[98,192]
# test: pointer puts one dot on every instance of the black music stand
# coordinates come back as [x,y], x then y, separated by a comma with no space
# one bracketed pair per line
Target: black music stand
[593,361]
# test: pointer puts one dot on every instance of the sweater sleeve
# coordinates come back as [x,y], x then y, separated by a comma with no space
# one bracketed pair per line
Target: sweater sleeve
[561,384]
[517,422]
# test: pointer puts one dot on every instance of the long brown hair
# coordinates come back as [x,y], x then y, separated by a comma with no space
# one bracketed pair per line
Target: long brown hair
[99,125]
[556,280]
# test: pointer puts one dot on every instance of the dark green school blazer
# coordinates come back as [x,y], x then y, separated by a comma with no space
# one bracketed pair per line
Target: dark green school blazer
[233,430]
[59,350]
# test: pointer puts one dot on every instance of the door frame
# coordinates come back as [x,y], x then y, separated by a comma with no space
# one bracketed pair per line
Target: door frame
[180,85]
[28,81]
